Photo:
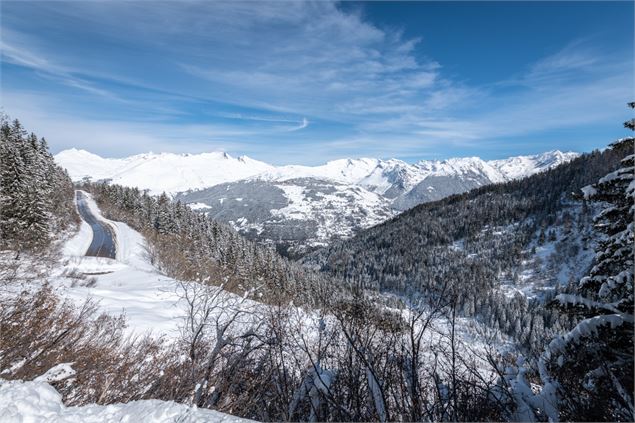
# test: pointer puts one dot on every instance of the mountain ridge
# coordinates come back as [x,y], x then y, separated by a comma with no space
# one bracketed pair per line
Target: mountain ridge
[367,172]
[299,208]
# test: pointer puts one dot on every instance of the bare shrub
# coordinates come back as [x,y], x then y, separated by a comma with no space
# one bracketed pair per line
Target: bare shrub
[38,331]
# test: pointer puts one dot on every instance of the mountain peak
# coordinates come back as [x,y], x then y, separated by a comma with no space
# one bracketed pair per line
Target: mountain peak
[76,151]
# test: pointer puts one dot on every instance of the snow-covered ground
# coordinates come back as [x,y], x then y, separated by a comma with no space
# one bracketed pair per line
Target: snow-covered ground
[130,284]
[37,401]
[562,258]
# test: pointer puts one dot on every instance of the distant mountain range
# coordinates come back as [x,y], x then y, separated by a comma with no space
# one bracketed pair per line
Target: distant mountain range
[299,207]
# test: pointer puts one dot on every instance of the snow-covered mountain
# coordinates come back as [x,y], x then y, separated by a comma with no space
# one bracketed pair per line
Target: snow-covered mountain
[161,172]
[174,173]
[298,206]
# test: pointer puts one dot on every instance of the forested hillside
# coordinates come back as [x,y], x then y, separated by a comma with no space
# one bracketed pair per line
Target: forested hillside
[190,246]
[477,241]
[36,195]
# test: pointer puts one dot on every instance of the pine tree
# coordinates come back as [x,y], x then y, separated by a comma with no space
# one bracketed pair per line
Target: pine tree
[12,182]
[588,372]
[36,196]
[35,214]
[163,222]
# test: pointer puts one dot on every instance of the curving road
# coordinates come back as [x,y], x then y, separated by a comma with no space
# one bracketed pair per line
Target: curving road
[103,244]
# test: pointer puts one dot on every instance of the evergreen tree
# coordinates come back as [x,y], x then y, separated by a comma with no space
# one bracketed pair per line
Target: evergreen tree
[163,220]
[12,181]
[36,205]
[588,372]
[36,196]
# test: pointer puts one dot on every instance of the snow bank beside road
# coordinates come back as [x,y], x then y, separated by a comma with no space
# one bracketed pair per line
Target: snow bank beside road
[40,402]
[79,243]
[148,300]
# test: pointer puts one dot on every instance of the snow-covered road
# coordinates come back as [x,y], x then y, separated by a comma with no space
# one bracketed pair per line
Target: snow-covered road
[127,282]
[103,242]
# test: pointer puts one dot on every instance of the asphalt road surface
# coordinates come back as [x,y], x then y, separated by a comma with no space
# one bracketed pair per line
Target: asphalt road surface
[103,244]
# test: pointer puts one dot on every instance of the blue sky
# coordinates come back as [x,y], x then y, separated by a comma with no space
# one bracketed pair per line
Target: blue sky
[305,82]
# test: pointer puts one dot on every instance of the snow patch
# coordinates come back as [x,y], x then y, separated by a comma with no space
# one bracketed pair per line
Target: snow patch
[198,206]
[79,243]
[38,401]
[56,373]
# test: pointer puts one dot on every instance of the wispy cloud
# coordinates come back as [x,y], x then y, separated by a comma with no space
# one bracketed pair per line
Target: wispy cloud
[303,124]
[576,57]
[297,124]
[22,55]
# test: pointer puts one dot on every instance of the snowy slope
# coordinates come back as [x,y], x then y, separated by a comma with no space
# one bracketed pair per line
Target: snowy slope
[522,166]
[81,163]
[454,176]
[40,402]
[161,172]
[344,170]
[293,214]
